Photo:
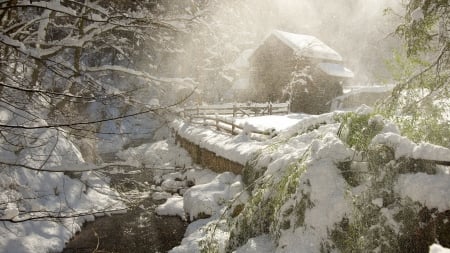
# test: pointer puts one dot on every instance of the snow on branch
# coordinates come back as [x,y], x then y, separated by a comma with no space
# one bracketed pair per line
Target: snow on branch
[44,91]
[403,147]
[21,47]
[76,167]
[101,15]
[136,73]
[70,124]
[48,215]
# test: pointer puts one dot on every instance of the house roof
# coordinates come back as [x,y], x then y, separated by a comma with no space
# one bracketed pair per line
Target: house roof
[307,45]
[334,69]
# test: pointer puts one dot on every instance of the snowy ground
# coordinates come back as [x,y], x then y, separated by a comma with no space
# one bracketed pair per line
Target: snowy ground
[322,181]
[29,199]
[206,198]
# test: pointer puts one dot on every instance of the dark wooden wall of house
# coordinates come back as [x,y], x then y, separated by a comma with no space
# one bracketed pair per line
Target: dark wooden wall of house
[272,65]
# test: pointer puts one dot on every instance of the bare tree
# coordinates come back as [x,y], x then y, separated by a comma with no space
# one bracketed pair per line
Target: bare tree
[60,59]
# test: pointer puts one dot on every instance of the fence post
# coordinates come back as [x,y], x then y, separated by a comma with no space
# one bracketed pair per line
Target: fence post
[232,127]
[234,110]
[217,122]
[270,108]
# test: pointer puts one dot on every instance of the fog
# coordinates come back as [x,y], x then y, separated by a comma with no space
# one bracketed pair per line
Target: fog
[357,29]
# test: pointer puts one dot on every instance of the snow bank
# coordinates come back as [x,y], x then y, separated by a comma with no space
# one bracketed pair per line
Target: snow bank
[327,193]
[327,187]
[302,186]
[27,194]
[234,148]
[436,248]
[309,122]
[207,199]
[277,122]
[52,192]
[172,207]
[156,154]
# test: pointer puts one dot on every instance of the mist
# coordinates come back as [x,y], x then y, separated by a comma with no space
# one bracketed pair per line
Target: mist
[357,29]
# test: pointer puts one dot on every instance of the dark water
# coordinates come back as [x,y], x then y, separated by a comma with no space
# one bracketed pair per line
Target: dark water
[138,230]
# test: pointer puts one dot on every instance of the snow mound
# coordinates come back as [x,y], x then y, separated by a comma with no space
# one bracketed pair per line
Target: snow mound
[436,248]
[207,199]
[236,149]
[156,154]
[172,207]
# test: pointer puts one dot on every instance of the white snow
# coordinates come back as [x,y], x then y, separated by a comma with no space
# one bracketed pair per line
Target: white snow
[237,148]
[436,248]
[54,192]
[300,136]
[11,211]
[403,147]
[260,244]
[156,154]
[276,122]
[432,191]
[327,193]
[173,207]
[54,5]
[207,199]
[308,46]
[334,69]
[328,188]
[30,190]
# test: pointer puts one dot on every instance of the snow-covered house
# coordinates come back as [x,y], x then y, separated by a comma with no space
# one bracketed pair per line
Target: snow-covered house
[299,68]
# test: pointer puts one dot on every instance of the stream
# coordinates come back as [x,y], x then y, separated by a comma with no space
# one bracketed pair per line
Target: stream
[138,230]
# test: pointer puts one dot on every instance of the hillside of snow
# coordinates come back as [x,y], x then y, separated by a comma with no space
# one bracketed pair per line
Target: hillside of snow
[337,182]
[40,209]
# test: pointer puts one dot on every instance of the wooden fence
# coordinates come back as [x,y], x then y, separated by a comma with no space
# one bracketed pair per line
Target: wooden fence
[222,117]
[241,109]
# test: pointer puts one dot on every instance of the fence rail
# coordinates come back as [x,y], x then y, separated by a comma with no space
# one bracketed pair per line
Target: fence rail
[243,109]
[215,115]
